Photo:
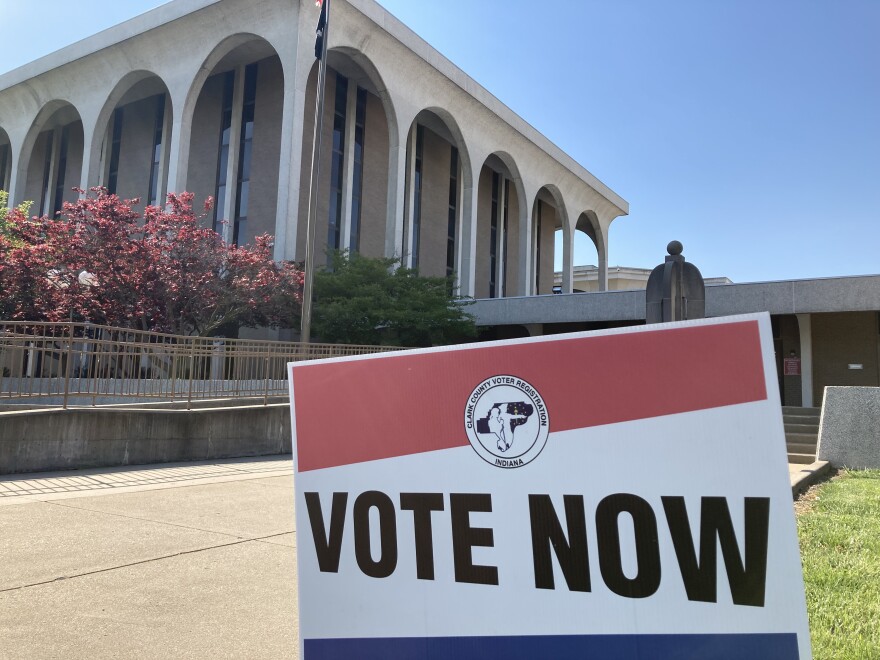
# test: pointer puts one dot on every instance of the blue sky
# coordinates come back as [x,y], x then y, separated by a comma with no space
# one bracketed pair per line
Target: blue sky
[747,129]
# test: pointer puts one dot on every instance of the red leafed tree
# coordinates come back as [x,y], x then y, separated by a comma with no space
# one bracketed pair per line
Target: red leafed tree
[97,261]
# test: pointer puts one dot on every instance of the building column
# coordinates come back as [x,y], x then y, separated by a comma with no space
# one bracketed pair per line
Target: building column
[408,246]
[525,265]
[501,240]
[164,156]
[397,164]
[467,251]
[293,111]
[47,194]
[232,160]
[567,259]
[179,145]
[348,167]
[602,254]
[806,339]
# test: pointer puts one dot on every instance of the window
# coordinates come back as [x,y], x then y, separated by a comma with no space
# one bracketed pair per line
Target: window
[417,195]
[504,238]
[538,229]
[358,174]
[157,149]
[246,146]
[223,148]
[47,171]
[115,146]
[61,170]
[334,220]
[493,235]
[453,213]
[4,165]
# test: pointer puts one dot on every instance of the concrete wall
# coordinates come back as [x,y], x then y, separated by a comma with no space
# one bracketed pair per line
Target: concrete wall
[374,196]
[484,232]
[136,149]
[205,144]
[45,440]
[548,247]
[34,188]
[435,204]
[842,339]
[511,241]
[849,430]
[266,150]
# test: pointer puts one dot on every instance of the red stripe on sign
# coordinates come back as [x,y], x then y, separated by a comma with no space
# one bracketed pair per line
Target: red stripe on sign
[362,410]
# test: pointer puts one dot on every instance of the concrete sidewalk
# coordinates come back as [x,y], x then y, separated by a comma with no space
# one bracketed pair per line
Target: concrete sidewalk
[172,561]
[193,560]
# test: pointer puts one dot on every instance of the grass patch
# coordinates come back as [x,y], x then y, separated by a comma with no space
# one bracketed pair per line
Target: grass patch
[839,530]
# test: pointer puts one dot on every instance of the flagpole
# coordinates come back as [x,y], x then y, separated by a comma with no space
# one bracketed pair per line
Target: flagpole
[309,265]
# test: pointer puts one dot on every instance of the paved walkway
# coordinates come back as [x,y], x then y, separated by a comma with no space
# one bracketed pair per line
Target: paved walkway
[190,560]
[173,561]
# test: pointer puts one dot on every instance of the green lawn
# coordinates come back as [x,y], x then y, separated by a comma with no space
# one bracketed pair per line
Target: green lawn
[839,529]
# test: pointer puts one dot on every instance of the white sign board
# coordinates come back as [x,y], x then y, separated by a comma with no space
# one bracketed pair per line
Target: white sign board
[617,494]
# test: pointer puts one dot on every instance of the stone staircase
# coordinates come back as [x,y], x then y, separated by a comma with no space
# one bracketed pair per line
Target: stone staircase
[801,433]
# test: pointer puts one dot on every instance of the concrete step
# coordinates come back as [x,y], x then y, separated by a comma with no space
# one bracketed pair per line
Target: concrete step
[802,438]
[801,458]
[801,413]
[800,410]
[812,429]
[800,448]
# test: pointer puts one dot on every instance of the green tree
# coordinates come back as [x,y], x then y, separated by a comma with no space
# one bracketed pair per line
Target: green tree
[24,208]
[360,300]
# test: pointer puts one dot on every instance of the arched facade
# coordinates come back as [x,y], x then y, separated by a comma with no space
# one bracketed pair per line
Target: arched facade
[130,139]
[52,157]
[218,99]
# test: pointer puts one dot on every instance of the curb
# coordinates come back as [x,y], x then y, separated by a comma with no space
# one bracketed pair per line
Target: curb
[807,476]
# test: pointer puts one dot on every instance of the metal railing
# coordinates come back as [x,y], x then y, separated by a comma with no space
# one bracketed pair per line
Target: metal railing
[83,364]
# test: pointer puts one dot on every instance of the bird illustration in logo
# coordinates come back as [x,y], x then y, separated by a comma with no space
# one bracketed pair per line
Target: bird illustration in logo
[503,420]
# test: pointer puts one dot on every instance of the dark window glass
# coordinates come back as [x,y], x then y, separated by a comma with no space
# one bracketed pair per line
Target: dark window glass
[245,151]
[538,247]
[47,171]
[417,195]
[61,169]
[453,212]
[360,122]
[157,149]
[334,220]
[493,235]
[115,146]
[4,164]
[504,239]
[223,148]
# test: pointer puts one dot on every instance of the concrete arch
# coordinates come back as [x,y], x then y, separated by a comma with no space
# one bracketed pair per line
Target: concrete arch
[54,114]
[588,222]
[6,160]
[513,245]
[117,96]
[380,89]
[434,207]
[251,47]
[372,231]
[543,236]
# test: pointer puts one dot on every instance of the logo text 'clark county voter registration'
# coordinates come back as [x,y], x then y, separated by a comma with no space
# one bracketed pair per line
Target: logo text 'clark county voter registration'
[506,421]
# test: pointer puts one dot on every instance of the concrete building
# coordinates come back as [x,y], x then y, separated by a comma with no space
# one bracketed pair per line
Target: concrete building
[217,97]
[585,279]
[832,325]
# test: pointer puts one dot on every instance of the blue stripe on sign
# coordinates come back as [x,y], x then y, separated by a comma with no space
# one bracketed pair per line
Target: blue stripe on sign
[767,646]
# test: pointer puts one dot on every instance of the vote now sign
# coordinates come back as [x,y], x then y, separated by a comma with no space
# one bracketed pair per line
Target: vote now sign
[618,494]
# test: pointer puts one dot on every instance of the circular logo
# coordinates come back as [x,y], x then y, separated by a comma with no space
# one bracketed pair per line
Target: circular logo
[506,421]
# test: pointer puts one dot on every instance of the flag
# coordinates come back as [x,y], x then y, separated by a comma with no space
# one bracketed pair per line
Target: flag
[321,29]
